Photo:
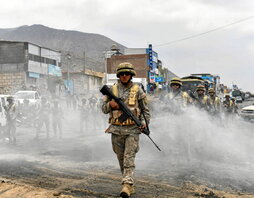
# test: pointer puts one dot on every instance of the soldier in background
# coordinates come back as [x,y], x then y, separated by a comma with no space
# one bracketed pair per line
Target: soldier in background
[11,115]
[228,104]
[74,100]
[83,108]
[202,100]
[176,99]
[235,107]
[214,102]
[68,100]
[57,116]
[43,117]
[125,135]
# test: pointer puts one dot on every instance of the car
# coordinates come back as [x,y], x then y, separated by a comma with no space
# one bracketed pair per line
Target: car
[33,97]
[238,99]
[247,113]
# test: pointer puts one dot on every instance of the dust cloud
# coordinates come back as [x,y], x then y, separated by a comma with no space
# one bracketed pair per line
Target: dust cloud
[199,147]
[195,147]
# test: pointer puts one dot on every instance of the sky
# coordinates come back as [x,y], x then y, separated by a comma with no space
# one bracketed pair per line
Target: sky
[227,52]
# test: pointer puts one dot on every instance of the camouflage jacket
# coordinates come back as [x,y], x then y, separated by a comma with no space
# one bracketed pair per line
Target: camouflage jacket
[11,112]
[178,99]
[215,104]
[203,102]
[140,100]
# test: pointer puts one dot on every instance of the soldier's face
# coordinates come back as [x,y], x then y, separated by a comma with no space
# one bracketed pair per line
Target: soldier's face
[200,92]
[125,77]
[211,94]
[175,87]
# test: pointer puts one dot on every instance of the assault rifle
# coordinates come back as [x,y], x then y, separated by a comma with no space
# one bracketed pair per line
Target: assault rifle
[126,112]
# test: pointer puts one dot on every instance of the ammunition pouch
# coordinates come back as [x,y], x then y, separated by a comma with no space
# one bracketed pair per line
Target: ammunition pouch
[128,122]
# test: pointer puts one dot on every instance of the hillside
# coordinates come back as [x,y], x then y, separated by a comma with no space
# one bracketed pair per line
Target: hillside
[66,41]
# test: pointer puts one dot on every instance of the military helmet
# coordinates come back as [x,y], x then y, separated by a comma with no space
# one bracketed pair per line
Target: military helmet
[211,90]
[200,87]
[9,98]
[125,67]
[176,81]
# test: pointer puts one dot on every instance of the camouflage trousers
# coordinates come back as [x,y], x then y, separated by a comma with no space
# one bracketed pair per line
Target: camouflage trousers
[126,147]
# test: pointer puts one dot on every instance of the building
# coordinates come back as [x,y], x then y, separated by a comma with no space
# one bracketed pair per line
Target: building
[147,66]
[84,82]
[24,65]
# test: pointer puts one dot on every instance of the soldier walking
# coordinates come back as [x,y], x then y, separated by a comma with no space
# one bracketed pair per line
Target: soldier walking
[125,135]
[57,116]
[43,117]
[214,102]
[228,104]
[176,99]
[11,115]
[202,100]
[83,108]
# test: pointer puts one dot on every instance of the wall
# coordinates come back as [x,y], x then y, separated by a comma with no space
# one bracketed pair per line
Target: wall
[12,52]
[84,84]
[11,82]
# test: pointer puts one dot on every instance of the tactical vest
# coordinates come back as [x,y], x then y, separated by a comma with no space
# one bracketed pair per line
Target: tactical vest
[132,104]
[181,97]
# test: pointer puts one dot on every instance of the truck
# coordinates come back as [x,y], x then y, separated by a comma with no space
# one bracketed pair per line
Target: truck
[191,82]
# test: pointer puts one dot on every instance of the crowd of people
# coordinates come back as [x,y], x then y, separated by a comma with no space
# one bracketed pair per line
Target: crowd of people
[176,100]
[51,111]
[48,116]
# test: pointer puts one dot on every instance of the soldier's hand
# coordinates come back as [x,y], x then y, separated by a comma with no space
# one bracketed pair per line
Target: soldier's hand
[113,105]
[142,128]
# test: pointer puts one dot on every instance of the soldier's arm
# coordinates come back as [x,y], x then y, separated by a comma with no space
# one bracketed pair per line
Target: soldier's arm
[105,105]
[143,105]
[185,99]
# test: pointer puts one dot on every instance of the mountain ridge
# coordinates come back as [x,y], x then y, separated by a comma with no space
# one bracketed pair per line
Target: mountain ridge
[67,41]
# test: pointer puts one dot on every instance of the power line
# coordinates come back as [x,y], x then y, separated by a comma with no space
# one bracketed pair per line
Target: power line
[207,32]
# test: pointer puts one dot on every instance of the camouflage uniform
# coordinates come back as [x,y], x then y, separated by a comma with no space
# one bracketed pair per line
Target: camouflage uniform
[57,116]
[84,112]
[177,100]
[215,102]
[202,101]
[125,136]
[228,106]
[11,115]
[43,118]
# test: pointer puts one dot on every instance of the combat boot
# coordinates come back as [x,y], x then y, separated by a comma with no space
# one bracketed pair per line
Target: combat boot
[127,190]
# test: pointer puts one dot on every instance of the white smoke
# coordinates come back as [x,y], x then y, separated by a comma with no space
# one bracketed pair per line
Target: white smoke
[217,150]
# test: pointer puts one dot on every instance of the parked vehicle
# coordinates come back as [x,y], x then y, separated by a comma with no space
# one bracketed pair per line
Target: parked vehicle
[33,97]
[247,113]
[237,93]
[238,99]
[191,82]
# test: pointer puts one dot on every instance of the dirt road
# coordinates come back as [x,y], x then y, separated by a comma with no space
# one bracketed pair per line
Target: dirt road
[84,165]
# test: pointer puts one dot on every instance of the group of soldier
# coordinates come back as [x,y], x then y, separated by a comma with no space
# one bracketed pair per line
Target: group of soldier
[125,132]
[203,99]
[47,116]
